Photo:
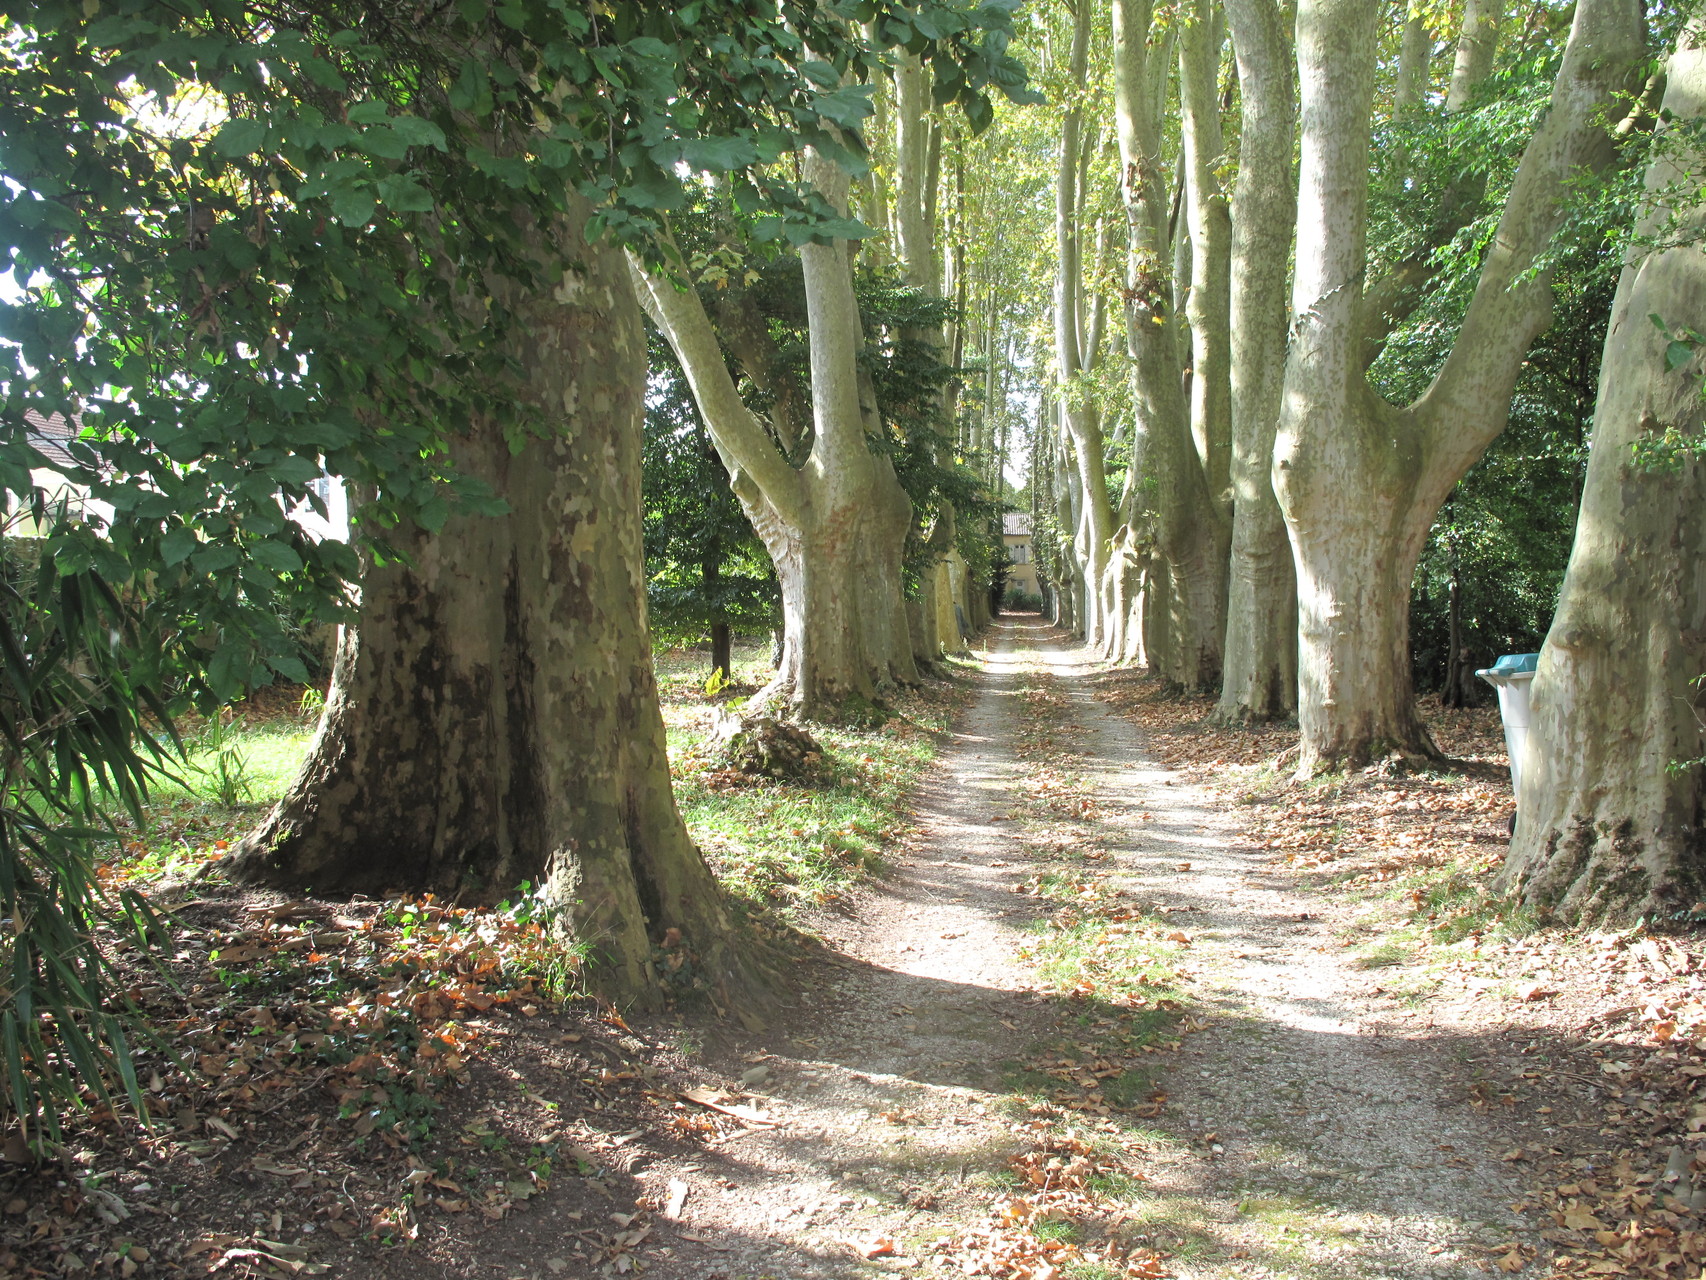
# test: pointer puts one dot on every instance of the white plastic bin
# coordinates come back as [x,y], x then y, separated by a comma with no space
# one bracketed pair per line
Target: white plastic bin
[1511,675]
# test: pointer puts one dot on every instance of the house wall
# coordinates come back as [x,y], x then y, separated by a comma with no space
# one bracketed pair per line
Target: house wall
[1021,572]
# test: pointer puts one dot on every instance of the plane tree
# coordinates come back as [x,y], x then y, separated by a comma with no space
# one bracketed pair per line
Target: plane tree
[263,240]
[1614,780]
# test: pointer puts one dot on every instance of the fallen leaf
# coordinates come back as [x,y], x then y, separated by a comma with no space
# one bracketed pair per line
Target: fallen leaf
[875,1247]
[677,1198]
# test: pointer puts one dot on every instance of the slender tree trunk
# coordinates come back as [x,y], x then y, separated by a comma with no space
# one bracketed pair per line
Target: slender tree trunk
[722,649]
[1359,481]
[1208,306]
[493,717]
[710,573]
[1094,528]
[1259,681]
[1414,54]
[1609,821]
[1171,502]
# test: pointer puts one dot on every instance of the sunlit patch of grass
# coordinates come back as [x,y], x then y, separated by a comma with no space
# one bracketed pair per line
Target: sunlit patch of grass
[185,822]
[270,751]
[1094,955]
[1443,905]
[788,845]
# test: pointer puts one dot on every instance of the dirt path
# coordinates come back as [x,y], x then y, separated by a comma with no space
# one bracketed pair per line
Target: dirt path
[1299,1137]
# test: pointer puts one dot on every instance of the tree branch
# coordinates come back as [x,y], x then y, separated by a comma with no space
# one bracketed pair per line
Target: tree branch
[1469,401]
[741,440]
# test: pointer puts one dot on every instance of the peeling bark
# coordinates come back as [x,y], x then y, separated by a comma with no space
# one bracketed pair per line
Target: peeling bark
[1606,826]
[493,717]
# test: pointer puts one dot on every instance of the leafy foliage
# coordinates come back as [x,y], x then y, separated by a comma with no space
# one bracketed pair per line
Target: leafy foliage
[704,564]
[81,671]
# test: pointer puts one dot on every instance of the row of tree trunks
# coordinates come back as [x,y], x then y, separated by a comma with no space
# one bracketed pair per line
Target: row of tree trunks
[1172,510]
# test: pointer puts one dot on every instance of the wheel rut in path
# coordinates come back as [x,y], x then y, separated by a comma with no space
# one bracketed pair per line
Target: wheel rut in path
[1297,1139]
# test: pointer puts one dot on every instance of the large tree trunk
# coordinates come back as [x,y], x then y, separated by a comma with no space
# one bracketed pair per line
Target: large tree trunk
[1607,824]
[493,717]
[1171,503]
[836,526]
[1359,481]
[1259,678]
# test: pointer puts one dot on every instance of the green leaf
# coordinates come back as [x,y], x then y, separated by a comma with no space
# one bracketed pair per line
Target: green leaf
[847,106]
[418,132]
[821,74]
[1678,354]
[719,155]
[400,192]
[240,137]
[215,557]
[353,205]
[176,546]
[281,557]
[290,667]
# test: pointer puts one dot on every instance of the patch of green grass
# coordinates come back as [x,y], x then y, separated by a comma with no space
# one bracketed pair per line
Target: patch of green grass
[1093,955]
[207,804]
[787,845]
[1063,1229]
[1442,906]
[271,752]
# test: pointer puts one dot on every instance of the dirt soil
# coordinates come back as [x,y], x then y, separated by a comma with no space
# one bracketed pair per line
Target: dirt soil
[934,1097]
[1302,1133]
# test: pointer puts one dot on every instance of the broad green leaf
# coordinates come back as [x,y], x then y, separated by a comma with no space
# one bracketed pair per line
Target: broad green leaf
[240,137]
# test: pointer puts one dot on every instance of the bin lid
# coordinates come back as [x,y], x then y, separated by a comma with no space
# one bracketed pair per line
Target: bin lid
[1511,664]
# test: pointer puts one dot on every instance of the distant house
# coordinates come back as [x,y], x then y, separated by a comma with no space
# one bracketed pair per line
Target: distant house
[50,434]
[1022,562]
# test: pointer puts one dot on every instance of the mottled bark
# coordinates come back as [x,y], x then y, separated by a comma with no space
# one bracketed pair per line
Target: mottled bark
[1360,481]
[1607,825]
[493,717]
[836,524]
[1414,54]
[1477,45]
[1170,504]
[1259,679]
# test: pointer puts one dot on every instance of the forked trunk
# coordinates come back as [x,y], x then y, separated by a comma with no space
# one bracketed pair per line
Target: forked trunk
[1612,806]
[1358,480]
[844,632]
[493,718]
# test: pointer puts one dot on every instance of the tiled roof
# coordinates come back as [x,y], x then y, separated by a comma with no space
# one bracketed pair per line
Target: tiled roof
[49,432]
[1016,524]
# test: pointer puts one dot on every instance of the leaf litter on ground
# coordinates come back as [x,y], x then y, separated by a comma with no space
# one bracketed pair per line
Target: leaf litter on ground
[1601,1033]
